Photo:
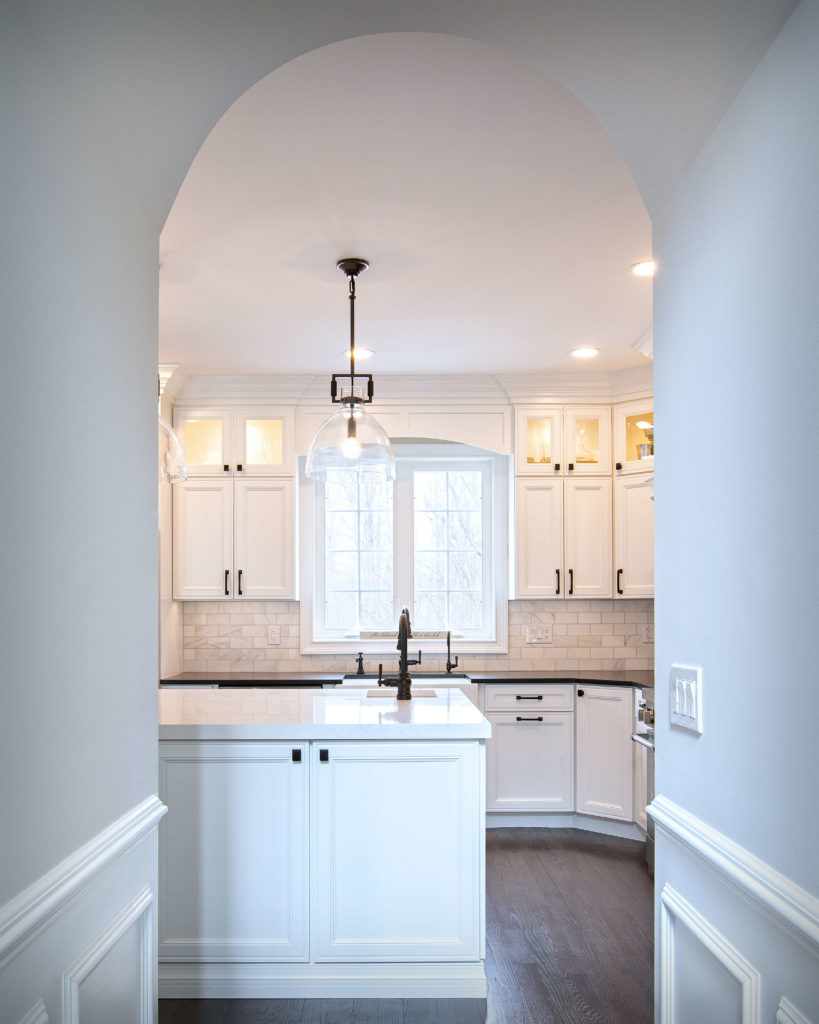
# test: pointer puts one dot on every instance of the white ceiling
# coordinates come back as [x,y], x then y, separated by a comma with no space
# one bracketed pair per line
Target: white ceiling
[498,217]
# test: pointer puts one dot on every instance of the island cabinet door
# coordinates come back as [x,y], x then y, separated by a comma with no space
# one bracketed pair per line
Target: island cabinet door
[605,765]
[233,851]
[398,851]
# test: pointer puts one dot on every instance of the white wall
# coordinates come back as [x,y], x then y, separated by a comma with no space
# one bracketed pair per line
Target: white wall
[79,602]
[736,377]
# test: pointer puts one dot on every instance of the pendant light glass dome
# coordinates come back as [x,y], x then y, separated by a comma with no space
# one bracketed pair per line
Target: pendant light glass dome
[351,439]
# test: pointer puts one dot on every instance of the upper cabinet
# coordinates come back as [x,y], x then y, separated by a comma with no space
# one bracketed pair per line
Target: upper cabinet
[242,441]
[557,441]
[634,437]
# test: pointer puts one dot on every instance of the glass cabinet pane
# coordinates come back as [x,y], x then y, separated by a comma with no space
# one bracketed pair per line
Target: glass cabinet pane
[639,436]
[539,441]
[203,442]
[587,441]
[264,442]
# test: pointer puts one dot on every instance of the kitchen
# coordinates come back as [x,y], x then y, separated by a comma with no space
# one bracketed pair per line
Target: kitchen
[730,933]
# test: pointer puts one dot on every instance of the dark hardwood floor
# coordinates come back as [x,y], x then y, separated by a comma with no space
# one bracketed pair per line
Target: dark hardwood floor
[569,941]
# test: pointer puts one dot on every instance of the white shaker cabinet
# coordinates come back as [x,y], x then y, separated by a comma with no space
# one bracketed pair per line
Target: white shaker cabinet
[587,440]
[234,539]
[203,539]
[530,761]
[605,751]
[242,440]
[587,537]
[233,881]
[394,826]
[634,536]
[539,537]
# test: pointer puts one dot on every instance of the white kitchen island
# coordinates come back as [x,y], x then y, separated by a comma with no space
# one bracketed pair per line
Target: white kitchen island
[321,843]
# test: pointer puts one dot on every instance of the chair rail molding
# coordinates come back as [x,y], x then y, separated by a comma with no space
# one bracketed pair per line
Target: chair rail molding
[28,913]
[674,909]
[793,907]
[36,1015]
[787,1013]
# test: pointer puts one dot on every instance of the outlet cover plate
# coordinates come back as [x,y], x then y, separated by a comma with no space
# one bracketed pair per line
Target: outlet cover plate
[685,697]
[647,633]
[274,635]
[539,634]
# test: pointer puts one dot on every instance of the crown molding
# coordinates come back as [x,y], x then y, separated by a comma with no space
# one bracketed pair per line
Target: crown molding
[411,389]
[172,380]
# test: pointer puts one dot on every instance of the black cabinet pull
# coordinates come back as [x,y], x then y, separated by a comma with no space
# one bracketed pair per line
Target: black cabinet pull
[557,588]
[240,583]
[295,756]
[557,467]
[571,582]
[324,755]
[581,693]
[618,465]
[571,467]
[522,718]
[227,576]
[238,467]
[529,696]
[226,468]
[619,575]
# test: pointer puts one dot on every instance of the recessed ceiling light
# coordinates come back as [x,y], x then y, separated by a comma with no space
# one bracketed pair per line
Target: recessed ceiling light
[646,268]
[585,353]
[360,353]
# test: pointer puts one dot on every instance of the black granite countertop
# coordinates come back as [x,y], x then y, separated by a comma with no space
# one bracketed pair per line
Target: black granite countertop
[638,678]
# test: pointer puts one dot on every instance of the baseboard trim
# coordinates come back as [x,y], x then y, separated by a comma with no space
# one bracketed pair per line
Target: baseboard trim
[602,826]
[328,981]
[25,916]
[791,906]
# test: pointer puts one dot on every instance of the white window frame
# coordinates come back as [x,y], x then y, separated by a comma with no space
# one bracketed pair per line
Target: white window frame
[496,571]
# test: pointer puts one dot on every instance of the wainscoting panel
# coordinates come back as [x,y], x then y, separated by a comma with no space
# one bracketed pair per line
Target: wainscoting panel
[735,939]
[79,945]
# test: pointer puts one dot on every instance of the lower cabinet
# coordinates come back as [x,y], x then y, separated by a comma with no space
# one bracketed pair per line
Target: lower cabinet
[233,879]
[396,876]
[321,852]
[605,751]
[530,762]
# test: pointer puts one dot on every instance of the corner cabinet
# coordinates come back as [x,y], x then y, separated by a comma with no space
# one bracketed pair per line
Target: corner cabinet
[234,539]
[605,781]
[634,536]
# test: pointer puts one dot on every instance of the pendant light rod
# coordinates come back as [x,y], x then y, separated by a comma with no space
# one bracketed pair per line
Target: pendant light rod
[351,267]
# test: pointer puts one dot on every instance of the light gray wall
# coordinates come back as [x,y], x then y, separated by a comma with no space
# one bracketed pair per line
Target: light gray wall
[78,309]
[737,396]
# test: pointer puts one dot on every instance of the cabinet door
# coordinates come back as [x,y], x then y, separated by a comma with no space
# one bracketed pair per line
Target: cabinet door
[264,441]
[634,437]
[233,852]
[396,828]
[203,539]
[605,751]
[206,436]
[539,537]
[640,785]
[588,537]
[264,539]
[587,440]
[634,536]
[530,762]
[538,440]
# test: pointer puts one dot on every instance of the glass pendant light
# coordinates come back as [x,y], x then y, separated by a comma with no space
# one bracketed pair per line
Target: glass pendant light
[352,439]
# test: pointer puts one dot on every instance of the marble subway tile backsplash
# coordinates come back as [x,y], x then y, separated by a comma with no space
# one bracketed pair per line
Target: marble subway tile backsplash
[226,636]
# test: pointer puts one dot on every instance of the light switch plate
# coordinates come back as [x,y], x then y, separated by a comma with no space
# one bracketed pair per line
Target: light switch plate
[647,633]
[274,635]
[685,697]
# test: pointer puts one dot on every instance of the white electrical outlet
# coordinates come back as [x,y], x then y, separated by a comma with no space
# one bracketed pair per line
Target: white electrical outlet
[647,633]
[274,635]
[539,634]
[685,697]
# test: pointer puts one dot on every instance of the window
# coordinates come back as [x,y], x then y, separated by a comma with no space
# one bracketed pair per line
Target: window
[435,540]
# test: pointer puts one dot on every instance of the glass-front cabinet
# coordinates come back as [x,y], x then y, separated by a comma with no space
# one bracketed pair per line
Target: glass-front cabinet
[634,437]
[587,440]
[539,441]
[251,441]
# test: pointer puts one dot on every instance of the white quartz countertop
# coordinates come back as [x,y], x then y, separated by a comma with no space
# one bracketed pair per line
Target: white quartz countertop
[347,714]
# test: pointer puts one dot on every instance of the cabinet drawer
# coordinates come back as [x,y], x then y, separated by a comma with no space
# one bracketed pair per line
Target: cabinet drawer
[517,696]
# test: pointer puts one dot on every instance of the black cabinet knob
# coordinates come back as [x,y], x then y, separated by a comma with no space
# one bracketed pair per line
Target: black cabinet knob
[618,465]
[226,468]
[581,693]
[571,467]
[295,756]
[324,755]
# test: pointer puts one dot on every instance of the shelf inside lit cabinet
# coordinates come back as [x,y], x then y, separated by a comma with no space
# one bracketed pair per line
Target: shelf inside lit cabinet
[634,437]
[538,441]
[587,440]
[206,436]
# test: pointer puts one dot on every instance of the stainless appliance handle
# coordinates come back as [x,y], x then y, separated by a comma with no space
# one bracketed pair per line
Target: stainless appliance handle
[637,738]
